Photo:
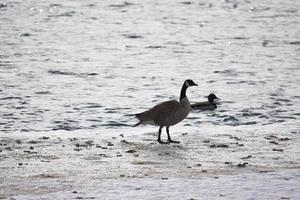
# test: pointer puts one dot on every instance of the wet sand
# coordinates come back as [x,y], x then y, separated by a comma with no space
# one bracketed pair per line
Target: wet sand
[79,164]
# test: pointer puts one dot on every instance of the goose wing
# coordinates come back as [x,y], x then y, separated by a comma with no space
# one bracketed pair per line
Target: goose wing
[163,112]
[159,113]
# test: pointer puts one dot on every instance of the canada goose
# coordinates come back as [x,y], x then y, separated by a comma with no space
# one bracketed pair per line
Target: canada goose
[207,105]
[168,113]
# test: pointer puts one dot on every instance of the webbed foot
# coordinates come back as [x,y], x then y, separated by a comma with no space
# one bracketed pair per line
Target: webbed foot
[162,142]
[173,141]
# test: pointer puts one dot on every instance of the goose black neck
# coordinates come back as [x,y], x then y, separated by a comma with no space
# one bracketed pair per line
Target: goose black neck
[183,92]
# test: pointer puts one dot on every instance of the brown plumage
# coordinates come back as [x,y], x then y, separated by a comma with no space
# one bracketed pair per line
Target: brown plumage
[167,113]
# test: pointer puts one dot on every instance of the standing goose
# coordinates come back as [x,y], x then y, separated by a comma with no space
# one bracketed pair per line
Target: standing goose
[168,113]
[207,105]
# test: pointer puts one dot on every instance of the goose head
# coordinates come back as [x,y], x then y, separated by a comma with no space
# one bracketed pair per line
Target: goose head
[189,83]
[211,98]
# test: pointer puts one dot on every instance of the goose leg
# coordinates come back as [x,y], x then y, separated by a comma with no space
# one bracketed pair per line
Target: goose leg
[159,134]
[169,137]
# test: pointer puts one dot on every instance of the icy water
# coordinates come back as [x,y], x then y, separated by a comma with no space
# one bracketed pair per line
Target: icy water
[81,68]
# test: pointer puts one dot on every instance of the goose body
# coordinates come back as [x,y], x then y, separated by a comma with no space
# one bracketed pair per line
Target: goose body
[206,105]
[167,113]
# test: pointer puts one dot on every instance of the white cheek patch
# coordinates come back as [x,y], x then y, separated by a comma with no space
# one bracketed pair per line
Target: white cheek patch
[187,84]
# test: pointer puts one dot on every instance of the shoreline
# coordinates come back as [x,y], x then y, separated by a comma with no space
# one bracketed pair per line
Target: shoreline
[54,163]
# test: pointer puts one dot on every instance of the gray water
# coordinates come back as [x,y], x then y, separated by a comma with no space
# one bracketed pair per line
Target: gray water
[87,64]
[82,68]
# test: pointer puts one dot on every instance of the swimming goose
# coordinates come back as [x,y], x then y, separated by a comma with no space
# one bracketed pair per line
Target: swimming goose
[168,113]
[207,105]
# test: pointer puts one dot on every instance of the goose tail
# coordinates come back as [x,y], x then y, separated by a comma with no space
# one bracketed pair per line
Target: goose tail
[138,116]
[137,124]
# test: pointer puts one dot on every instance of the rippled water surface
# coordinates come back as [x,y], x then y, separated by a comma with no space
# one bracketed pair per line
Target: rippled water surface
[89,65]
